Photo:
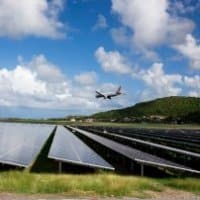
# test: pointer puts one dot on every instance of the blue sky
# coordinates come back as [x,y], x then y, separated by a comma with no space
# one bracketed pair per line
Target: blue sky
[56,53]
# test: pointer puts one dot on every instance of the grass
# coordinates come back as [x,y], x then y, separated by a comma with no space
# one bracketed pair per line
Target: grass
[186,184]
[103,184]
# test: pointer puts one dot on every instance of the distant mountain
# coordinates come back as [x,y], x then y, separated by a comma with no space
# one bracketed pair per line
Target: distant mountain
[168,107]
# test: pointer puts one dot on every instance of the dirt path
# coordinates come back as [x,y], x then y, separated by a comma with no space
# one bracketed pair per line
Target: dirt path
[166,195]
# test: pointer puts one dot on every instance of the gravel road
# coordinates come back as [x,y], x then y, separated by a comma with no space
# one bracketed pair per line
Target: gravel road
[167,195]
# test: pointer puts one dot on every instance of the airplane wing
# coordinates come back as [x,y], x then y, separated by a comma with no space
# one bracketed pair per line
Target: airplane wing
[111,95]
[99,95]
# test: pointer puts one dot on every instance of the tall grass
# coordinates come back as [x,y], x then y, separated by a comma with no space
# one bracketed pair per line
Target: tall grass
[84,185]
[187,184]
[103,184]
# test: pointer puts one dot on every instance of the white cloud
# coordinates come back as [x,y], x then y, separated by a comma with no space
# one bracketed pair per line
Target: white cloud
[33,84]
[194,93]
[159,84]
[45,69]
[150,23]
[87,78]
[193,83]
[41,84]
[33,17]
[101,23]
[21,80]
[107,88]
[191,50]
[112,61]
[120,35]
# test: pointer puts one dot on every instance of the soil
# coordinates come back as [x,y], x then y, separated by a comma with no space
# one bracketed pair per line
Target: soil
[166,195]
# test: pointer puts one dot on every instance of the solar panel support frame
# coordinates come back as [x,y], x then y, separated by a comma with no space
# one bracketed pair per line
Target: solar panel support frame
[142,169]
[60,167]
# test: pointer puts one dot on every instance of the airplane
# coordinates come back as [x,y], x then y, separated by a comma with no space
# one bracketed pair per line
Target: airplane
[109,96]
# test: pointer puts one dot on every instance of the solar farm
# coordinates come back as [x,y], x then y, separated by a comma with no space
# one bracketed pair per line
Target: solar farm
[63,149]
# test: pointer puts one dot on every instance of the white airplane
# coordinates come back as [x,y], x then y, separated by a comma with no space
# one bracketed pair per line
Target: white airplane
[109,96]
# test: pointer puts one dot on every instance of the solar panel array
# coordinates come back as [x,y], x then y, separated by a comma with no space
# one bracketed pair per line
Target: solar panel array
[144,142]
[21,143]
[132,153]
[183,139]
[67,147]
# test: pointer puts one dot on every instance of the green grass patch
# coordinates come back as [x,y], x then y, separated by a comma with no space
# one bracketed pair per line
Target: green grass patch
[103,184]
[77,185]
[186,184]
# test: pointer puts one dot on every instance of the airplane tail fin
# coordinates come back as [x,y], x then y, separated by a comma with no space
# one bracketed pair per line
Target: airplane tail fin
[118,90]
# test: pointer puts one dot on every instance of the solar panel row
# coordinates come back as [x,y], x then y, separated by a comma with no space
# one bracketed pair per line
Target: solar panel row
[147,143]
[20,145]
[147,135]
[186,136]
[170,142]
[134,154]
[67,147]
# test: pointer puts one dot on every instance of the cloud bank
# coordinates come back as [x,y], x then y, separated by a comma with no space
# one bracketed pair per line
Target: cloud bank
[149,25]
[156,82]
[40,84]
[38,18]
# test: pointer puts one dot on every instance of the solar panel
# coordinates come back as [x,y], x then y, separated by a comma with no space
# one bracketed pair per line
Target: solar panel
[67,147]
[134,154]
[146,135]
[159,146]
[165,134]
[21,143]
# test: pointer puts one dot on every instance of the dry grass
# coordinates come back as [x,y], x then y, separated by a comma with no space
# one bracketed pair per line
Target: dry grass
[76,185]
[103,184]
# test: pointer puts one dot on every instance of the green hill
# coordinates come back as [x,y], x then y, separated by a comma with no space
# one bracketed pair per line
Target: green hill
[169,107]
